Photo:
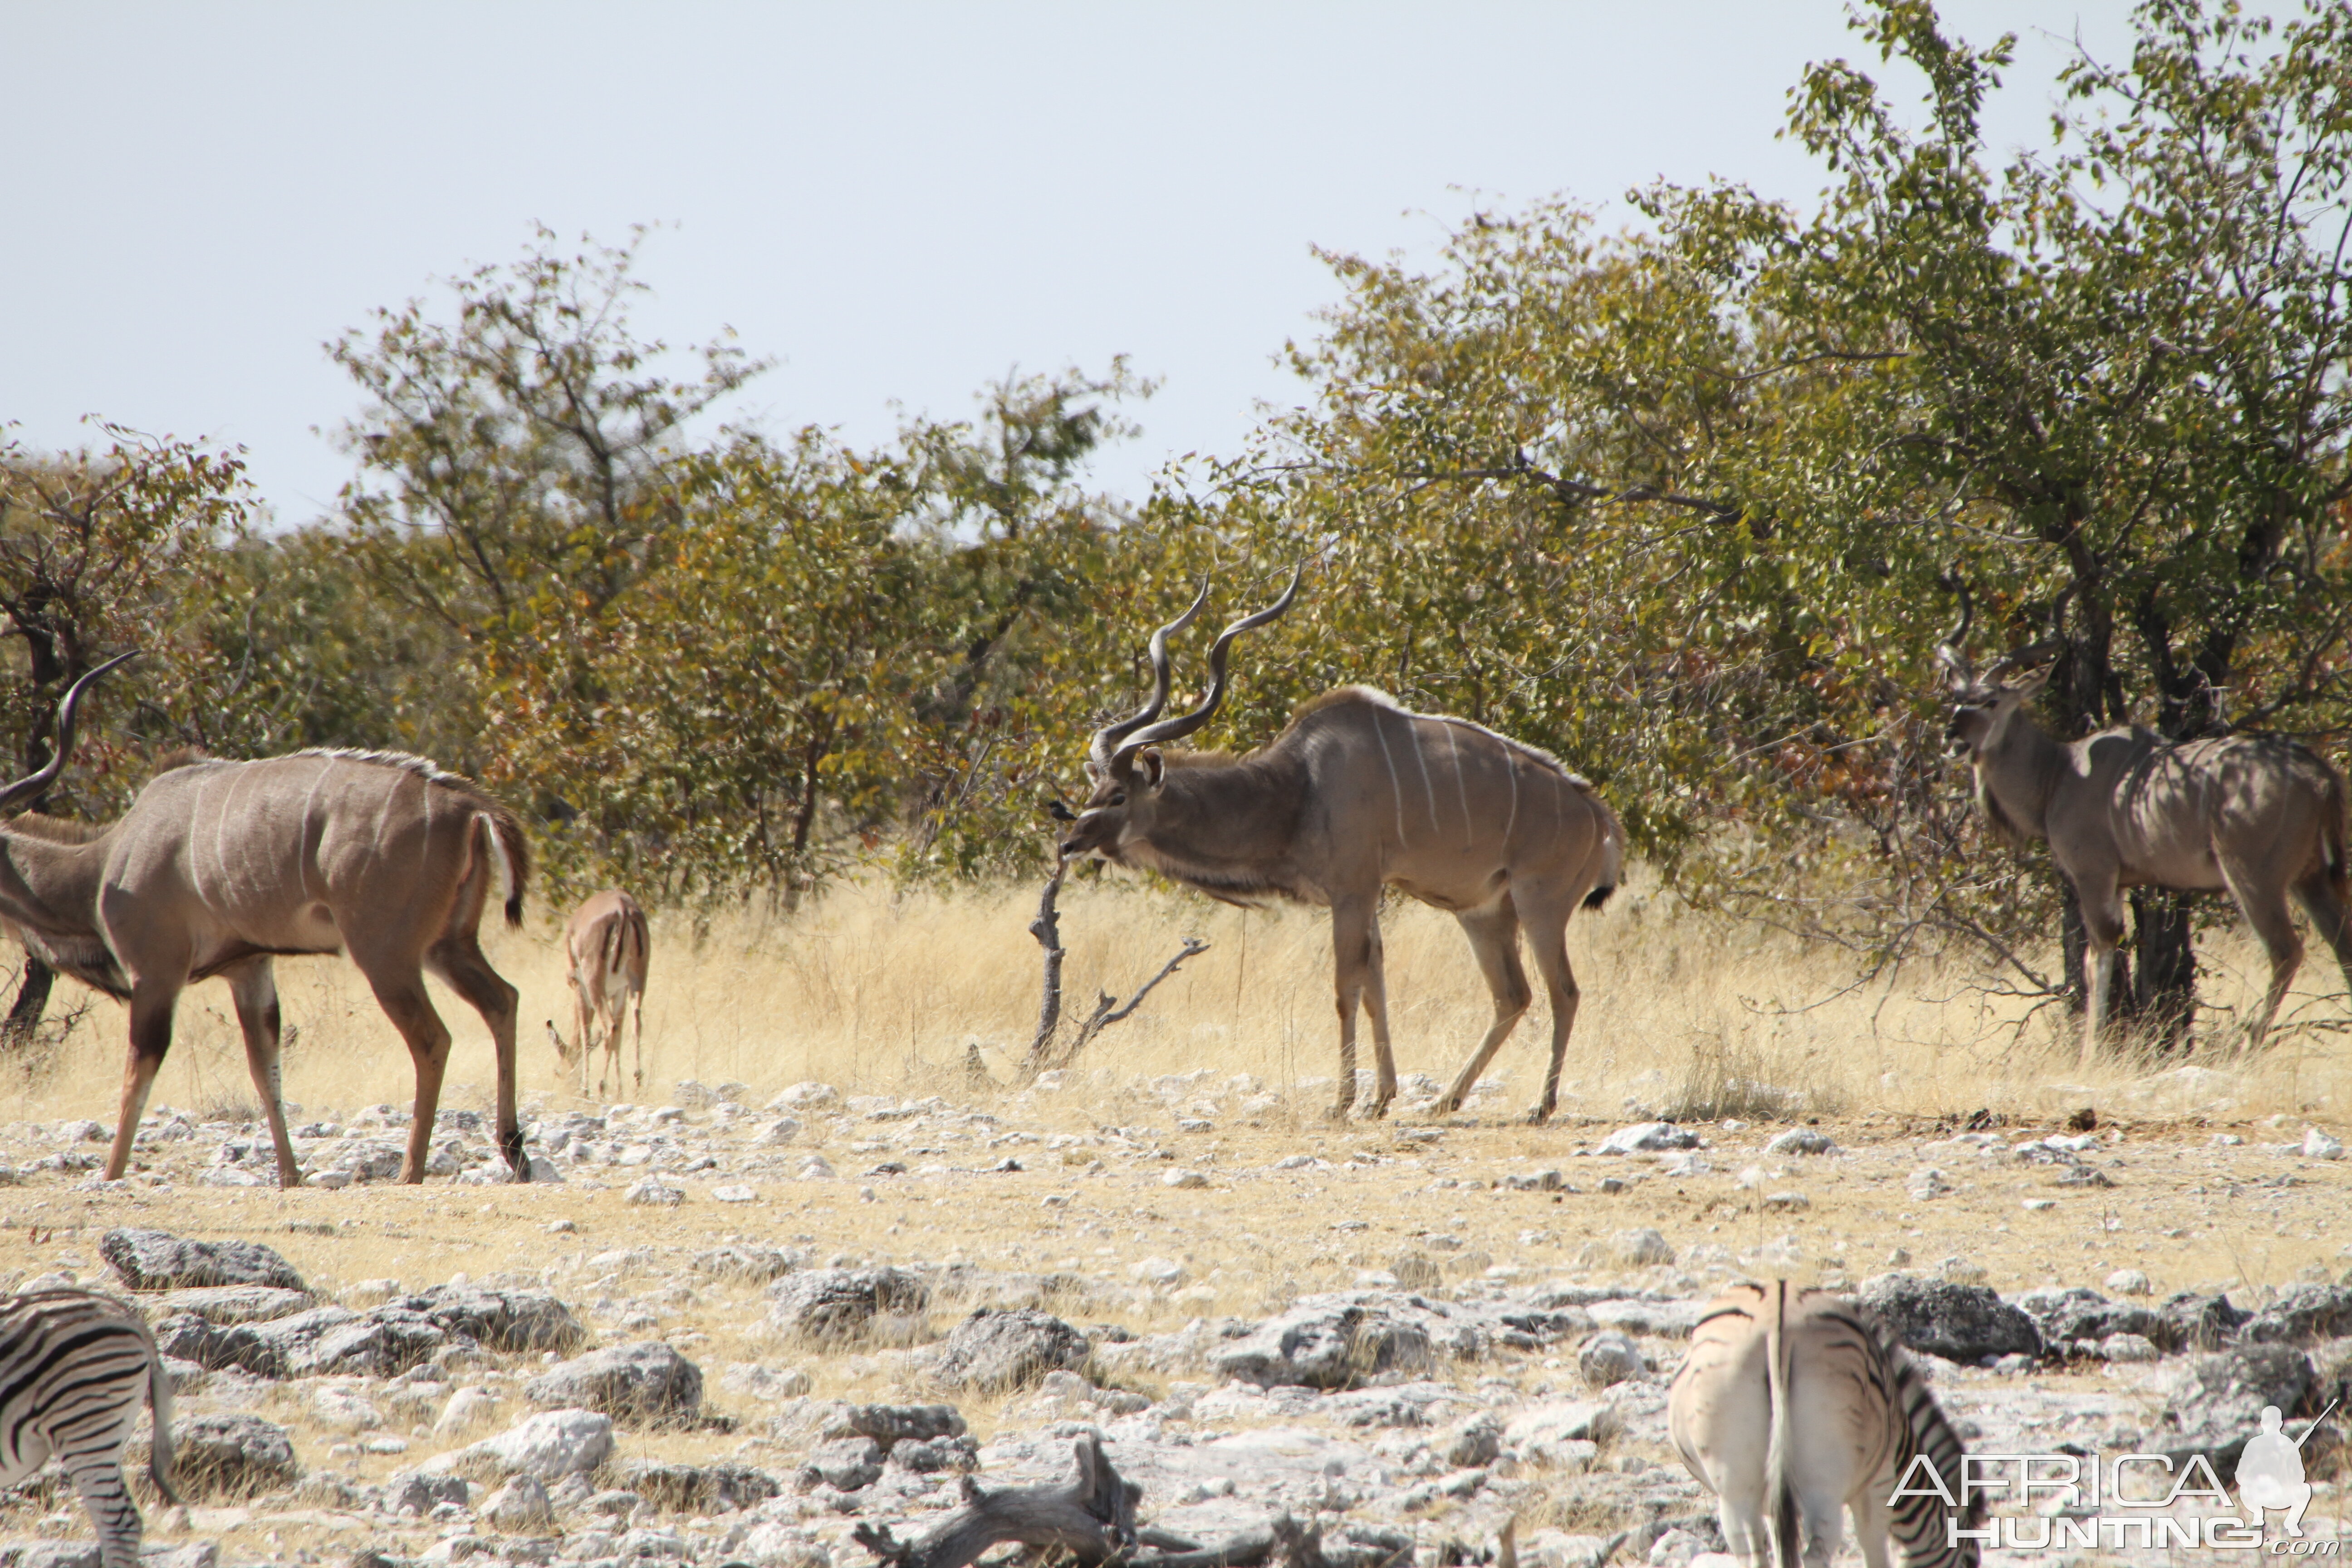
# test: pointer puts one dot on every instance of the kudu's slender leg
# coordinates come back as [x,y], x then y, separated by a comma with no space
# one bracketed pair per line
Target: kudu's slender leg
[254,988]
[457,958]
[1547,920]
[1355,954]
[399,986]
[1494,934]
[2329,917]
[2103,928]
[151,1005]
[584,1031]
[637,1006]
[1376,1008]
[2265,909]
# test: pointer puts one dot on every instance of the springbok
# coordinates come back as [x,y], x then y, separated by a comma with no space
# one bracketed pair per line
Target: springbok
[219,866]
[607,946]
[1794,1405]
[2260,815]
[1357,793]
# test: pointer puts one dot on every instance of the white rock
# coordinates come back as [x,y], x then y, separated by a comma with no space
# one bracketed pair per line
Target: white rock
[736,1194]
[654,1193]
[1675,1549]
[1162,1272]
[369,1293]
[1183,1179]
[806,1096]
[1294,1162]
[467,1410]
[1640,1247]
[1799,1140]
[1928,1181]
[783,1129]
[550,1445]
[2128,1347]
[344,1406]
[2318,1145]
[815,1168]
[1648,1138]
[2130,1282]
[1963,1271]
[1541,1432]
[520,1506]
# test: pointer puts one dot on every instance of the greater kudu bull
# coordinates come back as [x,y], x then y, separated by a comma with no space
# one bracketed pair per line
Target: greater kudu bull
[218,867]
[1354,795]
[2258,815]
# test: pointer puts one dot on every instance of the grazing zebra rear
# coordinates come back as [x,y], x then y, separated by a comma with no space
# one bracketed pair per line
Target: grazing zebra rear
[1796,1404]
[73,1365]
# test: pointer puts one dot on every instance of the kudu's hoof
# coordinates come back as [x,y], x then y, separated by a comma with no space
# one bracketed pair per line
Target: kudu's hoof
[1340,1112]
[1539,1116]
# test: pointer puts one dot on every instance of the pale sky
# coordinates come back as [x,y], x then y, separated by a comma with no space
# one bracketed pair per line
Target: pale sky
[897,201]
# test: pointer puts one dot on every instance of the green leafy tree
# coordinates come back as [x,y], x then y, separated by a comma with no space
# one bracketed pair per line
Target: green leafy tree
[103,550]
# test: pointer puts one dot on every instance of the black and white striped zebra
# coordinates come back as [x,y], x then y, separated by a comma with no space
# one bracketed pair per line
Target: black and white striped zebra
[1794,1405]
[74,1366]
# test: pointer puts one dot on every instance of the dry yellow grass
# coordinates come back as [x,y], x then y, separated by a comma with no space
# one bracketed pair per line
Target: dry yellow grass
[876,990]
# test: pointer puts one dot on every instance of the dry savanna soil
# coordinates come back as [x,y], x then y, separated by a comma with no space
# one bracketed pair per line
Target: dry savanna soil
[1166,1196]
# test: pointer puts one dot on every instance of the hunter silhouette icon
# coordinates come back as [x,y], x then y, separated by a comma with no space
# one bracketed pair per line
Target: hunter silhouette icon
[2270,1471]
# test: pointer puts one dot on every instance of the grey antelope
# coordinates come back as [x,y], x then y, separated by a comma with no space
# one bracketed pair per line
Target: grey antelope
[75,1366]
[1357,793]
[607,946]
[2258,815]
[219,866]
[1793,1405]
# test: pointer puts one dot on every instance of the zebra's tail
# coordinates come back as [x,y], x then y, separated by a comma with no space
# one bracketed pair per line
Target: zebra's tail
[159,1400]
[1781,1495]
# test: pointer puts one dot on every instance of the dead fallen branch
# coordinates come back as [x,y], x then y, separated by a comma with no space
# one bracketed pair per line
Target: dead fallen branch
[1047,929]
[1108,1010]
[1093,1519]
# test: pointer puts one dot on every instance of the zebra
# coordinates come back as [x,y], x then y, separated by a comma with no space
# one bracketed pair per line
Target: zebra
[1796,1402]
[73,1365]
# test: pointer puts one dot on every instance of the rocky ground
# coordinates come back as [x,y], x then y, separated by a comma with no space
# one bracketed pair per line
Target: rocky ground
[713,1331]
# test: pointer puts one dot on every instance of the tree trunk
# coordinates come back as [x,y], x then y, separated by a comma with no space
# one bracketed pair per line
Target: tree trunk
[32,1002]
[2075,944]
[2165,991]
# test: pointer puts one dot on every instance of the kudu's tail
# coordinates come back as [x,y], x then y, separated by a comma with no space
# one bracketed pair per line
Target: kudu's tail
[626,943]
[509,857]
[1613,857]
[2331,837]
[1779,1494]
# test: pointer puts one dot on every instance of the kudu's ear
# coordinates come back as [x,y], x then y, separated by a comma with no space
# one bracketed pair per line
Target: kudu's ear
[1150,767]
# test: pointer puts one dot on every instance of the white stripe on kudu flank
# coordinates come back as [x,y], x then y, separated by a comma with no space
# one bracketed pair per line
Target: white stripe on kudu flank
[1396,789]
[1461,789]
[1511,772]
[383,815]
[1412,730]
